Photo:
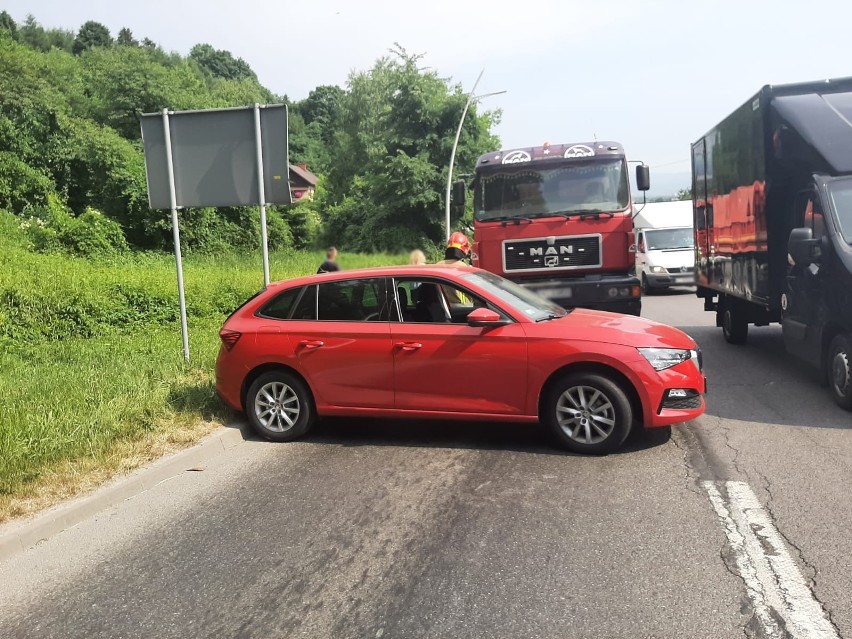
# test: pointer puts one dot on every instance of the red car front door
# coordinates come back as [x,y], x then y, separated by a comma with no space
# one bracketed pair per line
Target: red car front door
[450,366]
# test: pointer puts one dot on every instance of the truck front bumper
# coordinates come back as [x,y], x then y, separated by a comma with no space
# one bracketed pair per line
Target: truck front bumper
[616,293]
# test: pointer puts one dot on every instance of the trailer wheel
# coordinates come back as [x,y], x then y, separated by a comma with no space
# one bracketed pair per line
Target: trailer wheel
[734,322]
[839,371]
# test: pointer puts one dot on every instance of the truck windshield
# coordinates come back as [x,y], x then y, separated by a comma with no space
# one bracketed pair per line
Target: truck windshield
[668,239]
[841,202]
[528,191]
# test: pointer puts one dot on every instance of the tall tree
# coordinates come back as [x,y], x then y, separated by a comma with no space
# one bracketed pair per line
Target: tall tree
[125,38]
[32,34]
[92,34]
[218,63]
[8,25]
[391,154]
[125,81]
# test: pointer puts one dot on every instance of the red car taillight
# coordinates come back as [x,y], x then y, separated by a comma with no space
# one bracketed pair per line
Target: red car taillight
[229,337]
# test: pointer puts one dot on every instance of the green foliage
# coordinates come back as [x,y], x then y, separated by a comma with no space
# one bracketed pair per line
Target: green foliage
[8,26]
[125,38]
[684,194]
[92,34]
[69,130]
[98,343]
[123,82]
[89,235]
[397,124]
[20,184]
[217,63]
[216,231]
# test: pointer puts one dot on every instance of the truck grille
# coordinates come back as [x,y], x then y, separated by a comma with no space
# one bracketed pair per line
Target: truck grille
[552,253]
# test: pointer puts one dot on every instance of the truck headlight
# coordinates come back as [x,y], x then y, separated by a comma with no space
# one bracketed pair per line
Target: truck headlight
[658,269]
[663,358]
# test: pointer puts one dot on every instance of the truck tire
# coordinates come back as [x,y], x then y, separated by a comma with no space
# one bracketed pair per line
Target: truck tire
[734,322]
[839,370]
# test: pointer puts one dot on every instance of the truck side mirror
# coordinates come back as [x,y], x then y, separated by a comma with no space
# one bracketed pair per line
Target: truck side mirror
[802,246]
[643,177]
[459,192]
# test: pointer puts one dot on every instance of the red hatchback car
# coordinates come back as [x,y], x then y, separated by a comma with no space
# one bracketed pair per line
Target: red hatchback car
[451,342]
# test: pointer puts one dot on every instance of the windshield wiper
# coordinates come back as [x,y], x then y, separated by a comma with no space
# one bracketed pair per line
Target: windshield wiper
[505,219]
[584,214]
[552,316]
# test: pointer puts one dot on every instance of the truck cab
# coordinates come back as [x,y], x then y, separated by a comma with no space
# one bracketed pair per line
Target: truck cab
[557,219]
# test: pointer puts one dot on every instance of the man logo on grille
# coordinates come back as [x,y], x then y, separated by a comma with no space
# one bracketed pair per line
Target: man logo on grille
[551,260]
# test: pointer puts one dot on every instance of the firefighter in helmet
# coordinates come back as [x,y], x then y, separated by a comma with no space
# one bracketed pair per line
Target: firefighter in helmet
[458,248]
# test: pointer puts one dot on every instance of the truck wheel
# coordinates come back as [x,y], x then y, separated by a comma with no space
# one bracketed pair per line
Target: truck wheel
[734,323]
[589,413]
[839,371]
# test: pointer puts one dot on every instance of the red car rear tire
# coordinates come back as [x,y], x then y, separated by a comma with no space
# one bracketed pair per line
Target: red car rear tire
[279,406]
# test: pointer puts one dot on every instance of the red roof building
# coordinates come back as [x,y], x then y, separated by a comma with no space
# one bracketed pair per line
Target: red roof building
[303,183]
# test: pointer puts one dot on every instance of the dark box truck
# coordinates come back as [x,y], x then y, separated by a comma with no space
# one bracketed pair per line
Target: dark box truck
[772,207]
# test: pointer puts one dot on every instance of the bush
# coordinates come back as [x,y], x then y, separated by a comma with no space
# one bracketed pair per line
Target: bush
[91,234]
[22,185]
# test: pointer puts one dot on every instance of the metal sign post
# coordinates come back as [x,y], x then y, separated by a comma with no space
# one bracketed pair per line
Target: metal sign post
[237,156]
[176,232]
[261,196]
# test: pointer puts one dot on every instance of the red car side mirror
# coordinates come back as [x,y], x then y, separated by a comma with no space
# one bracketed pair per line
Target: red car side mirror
[485,317]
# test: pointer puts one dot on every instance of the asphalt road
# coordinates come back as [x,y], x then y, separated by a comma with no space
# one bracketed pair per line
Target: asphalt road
[411,529]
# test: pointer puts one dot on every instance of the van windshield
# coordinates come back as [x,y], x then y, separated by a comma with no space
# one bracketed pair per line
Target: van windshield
[668,239]
[841,202]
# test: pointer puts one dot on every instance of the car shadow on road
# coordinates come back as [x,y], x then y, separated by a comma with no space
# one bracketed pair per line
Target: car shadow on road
[524,438]
[760,382]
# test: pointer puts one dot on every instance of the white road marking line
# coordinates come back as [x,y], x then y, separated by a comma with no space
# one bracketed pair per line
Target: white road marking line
[779,594]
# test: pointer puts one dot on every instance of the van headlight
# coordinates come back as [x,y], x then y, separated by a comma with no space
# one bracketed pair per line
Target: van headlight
[658,269]
[663,358]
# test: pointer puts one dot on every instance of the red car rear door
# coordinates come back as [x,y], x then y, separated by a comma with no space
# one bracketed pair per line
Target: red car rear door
[346,354]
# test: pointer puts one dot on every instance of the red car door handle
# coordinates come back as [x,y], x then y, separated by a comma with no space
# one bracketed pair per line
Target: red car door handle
[409,346]
[311,343]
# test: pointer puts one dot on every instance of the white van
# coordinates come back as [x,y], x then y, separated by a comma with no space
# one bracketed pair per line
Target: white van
[665,257]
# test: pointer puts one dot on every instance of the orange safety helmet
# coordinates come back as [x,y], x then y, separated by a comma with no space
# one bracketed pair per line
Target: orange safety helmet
[459,240]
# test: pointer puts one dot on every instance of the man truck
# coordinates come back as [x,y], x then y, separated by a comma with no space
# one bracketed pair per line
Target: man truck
[558,219]
[772,194]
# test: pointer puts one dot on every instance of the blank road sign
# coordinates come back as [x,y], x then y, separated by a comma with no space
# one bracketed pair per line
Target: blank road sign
[215,157]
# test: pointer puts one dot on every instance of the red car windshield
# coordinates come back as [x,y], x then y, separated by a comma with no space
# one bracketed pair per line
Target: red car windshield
[517,297]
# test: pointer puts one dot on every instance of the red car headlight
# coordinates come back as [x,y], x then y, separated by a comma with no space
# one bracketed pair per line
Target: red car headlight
[663,358]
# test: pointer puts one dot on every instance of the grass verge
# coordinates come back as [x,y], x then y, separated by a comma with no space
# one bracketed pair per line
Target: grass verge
[92,378]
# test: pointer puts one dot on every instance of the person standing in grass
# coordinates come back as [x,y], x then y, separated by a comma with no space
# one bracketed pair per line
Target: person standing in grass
[417,257]
[330,265]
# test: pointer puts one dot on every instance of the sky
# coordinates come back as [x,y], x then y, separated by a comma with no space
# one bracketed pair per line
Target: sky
[652,74]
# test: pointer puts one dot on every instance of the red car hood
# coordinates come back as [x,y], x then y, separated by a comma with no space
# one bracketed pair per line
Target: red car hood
[612,328]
